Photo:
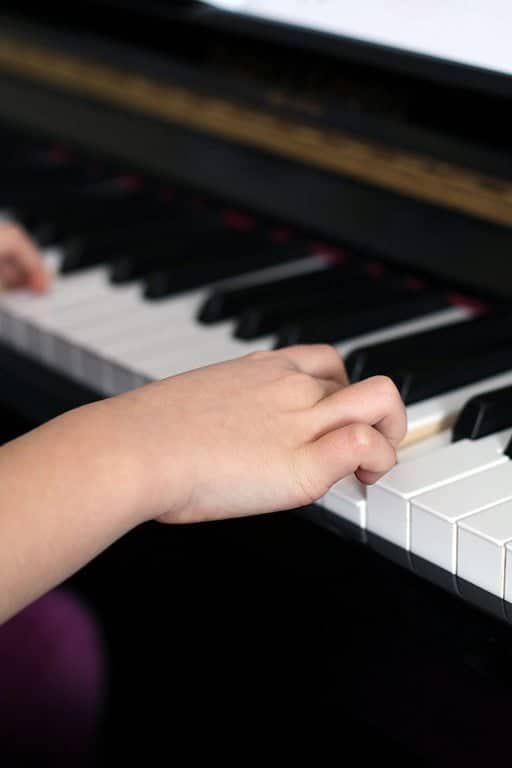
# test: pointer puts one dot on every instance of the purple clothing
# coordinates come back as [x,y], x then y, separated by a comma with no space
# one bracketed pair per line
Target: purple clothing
[52,683]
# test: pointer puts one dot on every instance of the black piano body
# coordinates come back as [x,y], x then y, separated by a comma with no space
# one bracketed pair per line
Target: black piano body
[291,616]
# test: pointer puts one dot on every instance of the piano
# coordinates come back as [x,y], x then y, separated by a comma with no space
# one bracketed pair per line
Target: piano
[210,179]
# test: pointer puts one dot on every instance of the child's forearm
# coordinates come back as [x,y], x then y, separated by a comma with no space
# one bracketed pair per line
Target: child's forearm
[270,431]
[67,491]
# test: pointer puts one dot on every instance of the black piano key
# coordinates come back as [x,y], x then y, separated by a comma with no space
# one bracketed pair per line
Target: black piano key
[127,268]
[259,320]
[210,260]
[42,169]
[23,193]
[72,219]
[508,449]
[179,249]
[484,414]
[335,327]
[42,234]
[352,288]
[22,157]
[137,232]
[479,331]
[421,382]
[20,192]
[160,238]
[223,304]
[71,175]
[75,216]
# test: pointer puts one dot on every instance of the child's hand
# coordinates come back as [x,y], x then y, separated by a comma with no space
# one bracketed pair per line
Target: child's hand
[21,265]
[266,432]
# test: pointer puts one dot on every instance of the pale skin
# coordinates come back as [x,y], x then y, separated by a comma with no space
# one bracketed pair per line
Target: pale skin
[266,432]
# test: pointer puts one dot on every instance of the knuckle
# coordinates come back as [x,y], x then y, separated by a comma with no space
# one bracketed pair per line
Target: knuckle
[300,390]
[304,384]
[360,437]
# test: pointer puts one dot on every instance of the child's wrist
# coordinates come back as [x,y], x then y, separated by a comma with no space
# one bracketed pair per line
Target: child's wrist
[112,463]
[149,473]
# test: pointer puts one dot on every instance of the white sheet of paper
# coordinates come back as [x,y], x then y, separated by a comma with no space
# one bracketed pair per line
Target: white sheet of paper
[475,32]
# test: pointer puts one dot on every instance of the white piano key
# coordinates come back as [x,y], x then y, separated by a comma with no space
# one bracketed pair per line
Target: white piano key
[481,547]
[388,501]
[78,337]
[172,344]
[24,310]
[98,309]
[136,322]
[424,447]
[347,497]
[198,355]
[435,514]
[15,300]
[58,331]
[171,359]
[508,573]
[64,290]
[138,310]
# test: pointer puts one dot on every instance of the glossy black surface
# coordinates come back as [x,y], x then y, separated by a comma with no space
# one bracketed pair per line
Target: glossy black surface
[437,344]
[319,311]
[400,228]
[226,303]
[423,380]
[334,325]
[483,414]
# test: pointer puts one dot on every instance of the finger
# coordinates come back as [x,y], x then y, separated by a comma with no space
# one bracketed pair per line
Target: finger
[368,478]
[375,401]
[18,248]
[320,360]
[356,448]
[10,274]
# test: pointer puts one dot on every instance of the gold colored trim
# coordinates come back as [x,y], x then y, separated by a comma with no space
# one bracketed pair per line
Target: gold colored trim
[422,177]
[428,430]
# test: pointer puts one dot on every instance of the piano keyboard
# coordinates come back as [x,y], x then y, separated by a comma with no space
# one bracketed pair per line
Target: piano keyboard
[151,281]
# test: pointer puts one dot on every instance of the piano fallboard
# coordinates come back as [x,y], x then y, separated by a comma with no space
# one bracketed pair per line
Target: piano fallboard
[106,106]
